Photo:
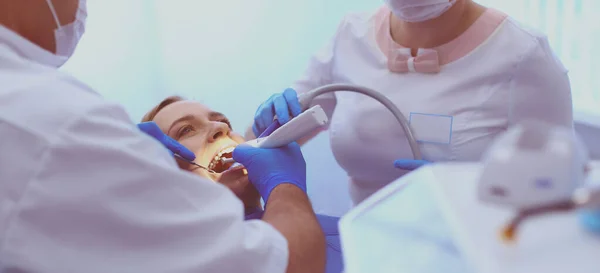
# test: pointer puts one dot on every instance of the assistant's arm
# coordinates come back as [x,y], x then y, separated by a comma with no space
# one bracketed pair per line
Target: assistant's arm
[108,198]
[541,88]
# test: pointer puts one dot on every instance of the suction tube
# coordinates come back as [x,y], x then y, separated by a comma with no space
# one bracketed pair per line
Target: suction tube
[306,99]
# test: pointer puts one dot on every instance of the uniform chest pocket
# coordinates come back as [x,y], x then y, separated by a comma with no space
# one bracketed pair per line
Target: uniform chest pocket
[431,128]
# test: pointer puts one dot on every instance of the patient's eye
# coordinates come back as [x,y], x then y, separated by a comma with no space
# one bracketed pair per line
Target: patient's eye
[185,130]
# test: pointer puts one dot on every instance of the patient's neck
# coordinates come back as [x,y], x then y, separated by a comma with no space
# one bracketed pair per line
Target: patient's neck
[252,210]
[252,206]
[251,199]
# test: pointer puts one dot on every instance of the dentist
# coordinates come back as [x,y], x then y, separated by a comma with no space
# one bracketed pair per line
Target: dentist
[83,190]
[461,73]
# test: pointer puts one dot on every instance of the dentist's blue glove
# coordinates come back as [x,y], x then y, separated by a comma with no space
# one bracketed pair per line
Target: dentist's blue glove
[151,129]
[409,164]
[268,168]
[285,105]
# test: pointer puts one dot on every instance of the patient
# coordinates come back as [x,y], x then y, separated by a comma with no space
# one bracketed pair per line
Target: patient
[209,135]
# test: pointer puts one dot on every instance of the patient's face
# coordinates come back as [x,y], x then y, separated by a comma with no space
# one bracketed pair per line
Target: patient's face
[209,135]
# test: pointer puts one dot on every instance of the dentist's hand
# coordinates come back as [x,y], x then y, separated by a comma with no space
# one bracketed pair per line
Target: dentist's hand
[281,104]
[151,129]
[268,168]
[409,164]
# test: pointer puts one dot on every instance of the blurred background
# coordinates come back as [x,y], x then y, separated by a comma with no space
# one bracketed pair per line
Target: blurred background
[234,54]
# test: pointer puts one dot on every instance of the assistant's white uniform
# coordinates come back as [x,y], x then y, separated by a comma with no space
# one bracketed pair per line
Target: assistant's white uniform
[496,74]
[83,190]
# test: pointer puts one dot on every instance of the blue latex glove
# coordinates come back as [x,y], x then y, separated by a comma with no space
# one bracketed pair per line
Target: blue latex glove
[591,220]
[172,145]
[409,164]
[285,105]
[268,168]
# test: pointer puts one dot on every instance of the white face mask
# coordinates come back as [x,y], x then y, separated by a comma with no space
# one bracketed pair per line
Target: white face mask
[68,36]
[419,10]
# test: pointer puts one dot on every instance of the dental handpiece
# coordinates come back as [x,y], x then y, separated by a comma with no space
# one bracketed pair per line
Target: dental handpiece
[307,98]
[298,127]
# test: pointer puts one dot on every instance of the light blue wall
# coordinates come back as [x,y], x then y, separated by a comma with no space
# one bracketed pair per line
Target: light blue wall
[119,54]
[234,54]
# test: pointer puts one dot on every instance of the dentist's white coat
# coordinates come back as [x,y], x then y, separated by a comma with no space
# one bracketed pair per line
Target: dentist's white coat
[82,190]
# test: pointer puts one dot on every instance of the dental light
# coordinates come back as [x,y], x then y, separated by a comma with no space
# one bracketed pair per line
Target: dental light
[536,169]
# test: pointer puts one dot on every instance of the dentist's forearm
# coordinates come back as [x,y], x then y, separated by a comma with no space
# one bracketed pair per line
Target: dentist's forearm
[291,213]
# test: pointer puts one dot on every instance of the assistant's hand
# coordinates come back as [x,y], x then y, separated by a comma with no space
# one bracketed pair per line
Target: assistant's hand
[409,164]
[174,147]
[591,220]
[268,168]
[281,104]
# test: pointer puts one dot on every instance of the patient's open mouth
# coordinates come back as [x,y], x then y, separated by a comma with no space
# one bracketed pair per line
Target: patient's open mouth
[217,164]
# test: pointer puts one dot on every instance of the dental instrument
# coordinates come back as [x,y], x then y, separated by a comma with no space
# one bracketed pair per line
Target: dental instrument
[177,150]
[307,98]
[152,129]
[274,126]
[296,131]
[298,127]
[193,163]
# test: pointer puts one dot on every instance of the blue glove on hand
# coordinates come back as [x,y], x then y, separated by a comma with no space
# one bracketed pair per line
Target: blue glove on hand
[591,220]
[282,104]
[268,168]
[409,164]
[151,129]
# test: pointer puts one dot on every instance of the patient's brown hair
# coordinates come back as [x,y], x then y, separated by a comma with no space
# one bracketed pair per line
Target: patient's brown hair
[150,115]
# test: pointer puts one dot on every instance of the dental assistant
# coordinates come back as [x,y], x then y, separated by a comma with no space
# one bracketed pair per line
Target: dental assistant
[83,190]
[460,72]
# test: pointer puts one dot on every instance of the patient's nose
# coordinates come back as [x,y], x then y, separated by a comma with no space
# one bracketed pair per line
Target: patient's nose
[219,130]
